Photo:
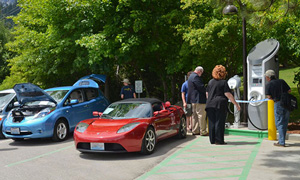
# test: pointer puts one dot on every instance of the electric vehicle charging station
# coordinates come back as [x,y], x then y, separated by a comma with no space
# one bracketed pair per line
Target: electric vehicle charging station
[235,84]
[261,58]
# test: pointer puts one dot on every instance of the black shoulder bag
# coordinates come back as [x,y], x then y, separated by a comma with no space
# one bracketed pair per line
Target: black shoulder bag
[288,101]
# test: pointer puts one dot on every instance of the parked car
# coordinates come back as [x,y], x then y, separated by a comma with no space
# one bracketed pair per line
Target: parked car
[130,125]
[53,112]
[7,100]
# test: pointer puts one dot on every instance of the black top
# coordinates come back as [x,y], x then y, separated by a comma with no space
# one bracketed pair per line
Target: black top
[216,94]
[275,87]
[196,89]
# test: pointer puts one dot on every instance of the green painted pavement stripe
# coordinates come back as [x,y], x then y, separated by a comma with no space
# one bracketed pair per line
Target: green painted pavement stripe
[252,157]
[216,177]
[200,170]
[211,162]
[212,151]
[244,174]
[164,162]
[46,154]
[206,156]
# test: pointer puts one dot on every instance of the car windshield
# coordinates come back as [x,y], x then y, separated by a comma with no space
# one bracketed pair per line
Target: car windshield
[5,98]
[127,110]
[58,95]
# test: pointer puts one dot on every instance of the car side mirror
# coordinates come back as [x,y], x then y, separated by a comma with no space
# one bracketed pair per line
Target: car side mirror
[73,101]
[96,113]
[16,104]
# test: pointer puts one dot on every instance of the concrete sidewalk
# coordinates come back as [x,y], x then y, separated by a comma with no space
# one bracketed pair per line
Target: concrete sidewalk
[243,157]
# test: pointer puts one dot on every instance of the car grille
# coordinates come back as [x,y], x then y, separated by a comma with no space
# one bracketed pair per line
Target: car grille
[21,133]
[107,147]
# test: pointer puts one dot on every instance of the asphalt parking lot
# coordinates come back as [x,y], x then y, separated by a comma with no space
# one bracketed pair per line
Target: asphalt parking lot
[191,158]
[36,159]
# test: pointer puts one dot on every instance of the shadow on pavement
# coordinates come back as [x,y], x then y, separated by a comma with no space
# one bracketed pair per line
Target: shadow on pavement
[39,142]
[162,147]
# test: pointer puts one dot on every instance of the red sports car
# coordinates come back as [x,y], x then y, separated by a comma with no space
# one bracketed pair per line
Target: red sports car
[130,125]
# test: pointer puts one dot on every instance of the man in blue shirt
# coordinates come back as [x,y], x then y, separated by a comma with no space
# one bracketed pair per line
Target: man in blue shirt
[127,90]
[186,107]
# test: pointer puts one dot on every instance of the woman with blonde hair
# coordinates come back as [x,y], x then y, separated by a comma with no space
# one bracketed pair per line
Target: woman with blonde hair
[218,93]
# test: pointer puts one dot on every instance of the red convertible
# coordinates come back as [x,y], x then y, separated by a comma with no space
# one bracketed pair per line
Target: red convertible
[130,125]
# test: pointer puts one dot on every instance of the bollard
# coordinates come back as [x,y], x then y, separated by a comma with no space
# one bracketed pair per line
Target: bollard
[272,135]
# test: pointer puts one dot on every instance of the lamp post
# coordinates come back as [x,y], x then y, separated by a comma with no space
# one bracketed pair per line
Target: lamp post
[229,10]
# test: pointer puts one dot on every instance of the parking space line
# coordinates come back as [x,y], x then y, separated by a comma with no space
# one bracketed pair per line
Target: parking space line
[210,162]
[244,169]
[36,157]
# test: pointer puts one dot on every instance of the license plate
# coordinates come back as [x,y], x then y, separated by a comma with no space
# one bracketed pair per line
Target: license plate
[15,130]
[97,146]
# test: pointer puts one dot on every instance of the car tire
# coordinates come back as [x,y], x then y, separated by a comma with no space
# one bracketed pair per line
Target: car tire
[1,133]
[61,130]
[182,128]
[149,141]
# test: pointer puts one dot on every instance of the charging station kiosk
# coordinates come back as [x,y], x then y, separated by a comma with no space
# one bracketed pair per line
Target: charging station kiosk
[261,58]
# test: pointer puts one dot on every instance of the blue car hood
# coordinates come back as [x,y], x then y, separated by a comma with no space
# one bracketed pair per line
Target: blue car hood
[27,92]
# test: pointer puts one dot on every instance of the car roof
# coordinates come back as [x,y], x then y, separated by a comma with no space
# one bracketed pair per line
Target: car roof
[148,100]
[60,88]
[8,91]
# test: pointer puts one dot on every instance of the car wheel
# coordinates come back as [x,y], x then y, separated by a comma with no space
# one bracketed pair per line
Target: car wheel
[61,131]
[149,141]
[182,128]
[1,133]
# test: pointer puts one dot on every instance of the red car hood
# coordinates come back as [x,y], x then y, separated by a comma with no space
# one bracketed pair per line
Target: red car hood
[108,126]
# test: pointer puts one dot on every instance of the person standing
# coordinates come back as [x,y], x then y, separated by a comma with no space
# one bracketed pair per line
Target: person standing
[218,93]
[127,90]
[196,97]
[274,89]
[186,107]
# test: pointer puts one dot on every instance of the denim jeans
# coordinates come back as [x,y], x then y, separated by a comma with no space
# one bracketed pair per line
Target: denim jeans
[281,121]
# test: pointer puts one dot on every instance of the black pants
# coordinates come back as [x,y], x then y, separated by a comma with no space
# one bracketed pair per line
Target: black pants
[216,119]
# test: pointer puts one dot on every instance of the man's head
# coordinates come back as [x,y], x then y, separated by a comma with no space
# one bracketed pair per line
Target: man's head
[199,70]
[270,74]
[126,81]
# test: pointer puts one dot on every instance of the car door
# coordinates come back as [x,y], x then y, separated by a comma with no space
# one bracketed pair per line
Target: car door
[77,111]
[95,99]
[162,120]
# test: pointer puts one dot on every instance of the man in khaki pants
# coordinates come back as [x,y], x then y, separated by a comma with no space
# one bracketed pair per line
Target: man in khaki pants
[197,97]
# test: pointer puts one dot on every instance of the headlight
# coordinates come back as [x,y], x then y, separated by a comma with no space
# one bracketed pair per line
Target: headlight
[128,127]
[81,127]
[43,113]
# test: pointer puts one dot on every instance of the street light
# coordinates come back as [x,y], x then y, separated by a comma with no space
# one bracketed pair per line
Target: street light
[229,10]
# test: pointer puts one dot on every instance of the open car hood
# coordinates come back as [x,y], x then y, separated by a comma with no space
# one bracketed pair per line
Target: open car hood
[27,92]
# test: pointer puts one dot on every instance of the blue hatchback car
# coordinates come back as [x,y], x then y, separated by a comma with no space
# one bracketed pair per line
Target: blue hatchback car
[53,112]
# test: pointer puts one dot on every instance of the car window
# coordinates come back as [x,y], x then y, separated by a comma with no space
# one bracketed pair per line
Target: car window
[76,94]
[5,98]
[91,93]
[157,107]
[58,95]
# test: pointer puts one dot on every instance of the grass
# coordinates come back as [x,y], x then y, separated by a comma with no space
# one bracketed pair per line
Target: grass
[288,76]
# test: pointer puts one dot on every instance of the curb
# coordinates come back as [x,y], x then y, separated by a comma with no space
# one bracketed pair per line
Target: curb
[258,134]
